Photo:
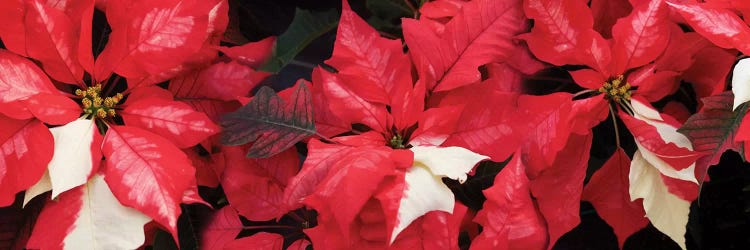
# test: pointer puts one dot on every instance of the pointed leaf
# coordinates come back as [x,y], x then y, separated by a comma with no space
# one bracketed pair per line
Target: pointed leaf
[640,37]
[481,128]
[77,155]
[26,147]
[347,105]
[53,109]
[712,130]
[558,189]
[13,32]
[173,120]
[52,39]
[452,59]
[147,172]
[212,90]
[305,27]
[667,212]
[375,68]
[149,38]
[21,79]
[721,26]
[270,123]
[255,187]
[509,217]
[320,158]
[562,29]
[222,228]
[425,190]
[657,137]
[251,54]
[435,125]
[359,173]
[608,192]
[88,217]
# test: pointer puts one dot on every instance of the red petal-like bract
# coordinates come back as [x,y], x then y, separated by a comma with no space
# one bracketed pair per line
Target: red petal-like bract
[562,30]
[52,38]
[359,173]
[548,128]
[223,226]
[147,172]
[481,128]
[558,188]
[53,109]
[348,106]
[13,32]
[373,67]
[251,54]
[20,79]
[649,137]
[608,192]
[641,36]
[509,217]
[721,26]
[151,37]
[320,158]
[255,187]
[26,147]
[480,33]
[173,120]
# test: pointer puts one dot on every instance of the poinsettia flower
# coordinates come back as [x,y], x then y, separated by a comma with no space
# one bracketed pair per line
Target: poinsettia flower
[641,63]
[139,130]
[396,161]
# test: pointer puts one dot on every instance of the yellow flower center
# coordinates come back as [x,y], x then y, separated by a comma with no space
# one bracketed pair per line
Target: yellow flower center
[95,105]
[616,89]
[397,142]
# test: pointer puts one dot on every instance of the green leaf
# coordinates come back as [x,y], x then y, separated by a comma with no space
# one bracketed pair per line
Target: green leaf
[270,123]
[387,14]
[305,27]
[713,128]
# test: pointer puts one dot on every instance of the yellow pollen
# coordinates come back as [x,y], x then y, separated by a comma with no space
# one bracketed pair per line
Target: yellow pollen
[616,89]
[94,104]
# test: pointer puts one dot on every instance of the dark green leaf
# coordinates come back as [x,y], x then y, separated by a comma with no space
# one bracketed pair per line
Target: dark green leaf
[712,129]
[270,123]
[387,14]
[306,26]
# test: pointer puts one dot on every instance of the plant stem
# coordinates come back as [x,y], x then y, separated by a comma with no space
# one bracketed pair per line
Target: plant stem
[583,92]
[411,6]
[614,122]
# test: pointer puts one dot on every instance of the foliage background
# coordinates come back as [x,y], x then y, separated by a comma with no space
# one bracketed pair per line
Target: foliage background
[720,219]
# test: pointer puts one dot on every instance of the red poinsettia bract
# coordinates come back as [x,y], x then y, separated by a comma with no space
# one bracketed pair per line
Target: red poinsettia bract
[642,62]
[138,132]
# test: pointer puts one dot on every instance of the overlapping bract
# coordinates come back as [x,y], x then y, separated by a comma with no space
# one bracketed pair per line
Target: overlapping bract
[393,124]
[136,171]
